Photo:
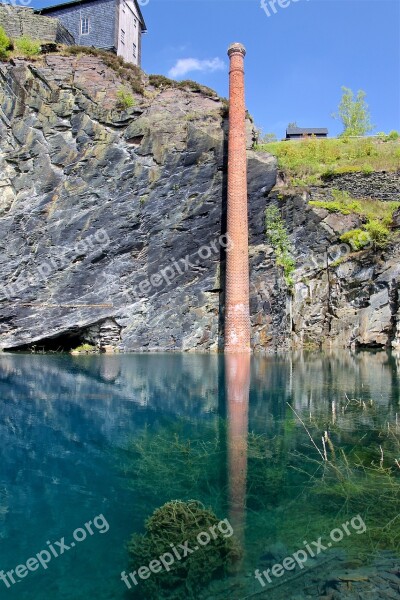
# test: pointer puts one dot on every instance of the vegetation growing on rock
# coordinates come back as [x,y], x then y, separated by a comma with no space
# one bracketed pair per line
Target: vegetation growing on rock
[377,217]
[279,239]
[125,99]
[357,238]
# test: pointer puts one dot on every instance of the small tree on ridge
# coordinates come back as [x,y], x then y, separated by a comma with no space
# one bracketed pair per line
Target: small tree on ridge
[354,113]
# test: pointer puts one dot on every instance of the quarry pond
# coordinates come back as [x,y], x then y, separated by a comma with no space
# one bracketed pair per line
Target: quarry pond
[294,459]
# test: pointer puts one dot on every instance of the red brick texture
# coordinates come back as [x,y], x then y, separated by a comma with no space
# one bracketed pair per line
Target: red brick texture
[237,314]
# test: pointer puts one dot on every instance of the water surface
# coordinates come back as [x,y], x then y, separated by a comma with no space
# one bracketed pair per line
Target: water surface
[119,436]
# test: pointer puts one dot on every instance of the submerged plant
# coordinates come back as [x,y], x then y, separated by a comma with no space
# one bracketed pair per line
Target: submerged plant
[181,574]
[173,464]
[358,475]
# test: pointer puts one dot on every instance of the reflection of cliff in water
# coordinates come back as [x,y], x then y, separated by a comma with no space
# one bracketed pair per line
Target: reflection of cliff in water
[318,382]
[65,419]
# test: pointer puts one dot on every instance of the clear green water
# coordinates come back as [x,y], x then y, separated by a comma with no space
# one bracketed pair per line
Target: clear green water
[122,435]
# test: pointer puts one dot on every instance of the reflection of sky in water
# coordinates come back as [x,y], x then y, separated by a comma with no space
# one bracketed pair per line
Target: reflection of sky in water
[63,419]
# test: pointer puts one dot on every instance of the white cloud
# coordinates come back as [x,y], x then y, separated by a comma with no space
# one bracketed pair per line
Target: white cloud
[186,65]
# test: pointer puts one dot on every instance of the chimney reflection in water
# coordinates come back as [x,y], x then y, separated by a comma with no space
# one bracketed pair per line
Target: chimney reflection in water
[237,385]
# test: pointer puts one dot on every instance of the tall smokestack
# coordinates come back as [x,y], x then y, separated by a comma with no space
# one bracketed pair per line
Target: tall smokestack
[237,312]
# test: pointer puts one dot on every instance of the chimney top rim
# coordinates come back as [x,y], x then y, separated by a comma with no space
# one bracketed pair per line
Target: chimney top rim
[236,47]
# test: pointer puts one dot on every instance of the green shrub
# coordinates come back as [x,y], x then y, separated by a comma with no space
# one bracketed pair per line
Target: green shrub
[5,44]
[27,46]
[279,240]
[378,232]
[84,349]
[357,238]
[160,81]
[393,135]
[125,99]
[367,169]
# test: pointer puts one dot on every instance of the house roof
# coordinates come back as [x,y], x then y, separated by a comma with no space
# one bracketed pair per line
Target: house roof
[50,9]
[305,130]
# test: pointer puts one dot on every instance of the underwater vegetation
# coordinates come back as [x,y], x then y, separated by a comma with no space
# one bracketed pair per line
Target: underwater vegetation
[309,474]
[178,523]
[358,473]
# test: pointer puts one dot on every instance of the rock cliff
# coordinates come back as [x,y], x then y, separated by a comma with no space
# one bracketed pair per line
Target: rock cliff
[112,225]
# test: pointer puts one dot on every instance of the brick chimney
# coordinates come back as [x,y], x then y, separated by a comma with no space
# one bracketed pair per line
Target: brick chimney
[237,313]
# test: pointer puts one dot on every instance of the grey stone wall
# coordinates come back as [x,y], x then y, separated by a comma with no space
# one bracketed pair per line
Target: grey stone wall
[381,186]
[18,21]
[102,19]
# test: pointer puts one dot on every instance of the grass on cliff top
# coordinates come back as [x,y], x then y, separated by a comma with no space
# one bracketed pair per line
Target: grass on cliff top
[308,161]
[161,82]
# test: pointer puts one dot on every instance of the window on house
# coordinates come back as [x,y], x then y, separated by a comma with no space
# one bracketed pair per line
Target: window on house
[135,21]
[84,25]
[122,36]
[134,50]
[123,5]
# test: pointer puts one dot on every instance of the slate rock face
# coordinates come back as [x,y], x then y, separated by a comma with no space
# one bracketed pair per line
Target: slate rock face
[341,298]
[110,215]
[112,226]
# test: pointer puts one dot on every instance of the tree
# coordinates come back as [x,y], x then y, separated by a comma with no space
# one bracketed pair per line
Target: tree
[354,113]
[268,138]
[292,125]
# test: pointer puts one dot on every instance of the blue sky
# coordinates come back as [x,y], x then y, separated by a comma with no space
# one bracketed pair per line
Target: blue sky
[297,58]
